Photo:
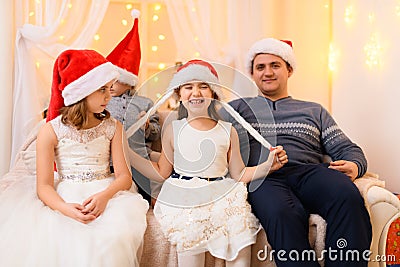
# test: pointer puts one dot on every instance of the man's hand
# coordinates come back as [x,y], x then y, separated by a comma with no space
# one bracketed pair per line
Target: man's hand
[347,167]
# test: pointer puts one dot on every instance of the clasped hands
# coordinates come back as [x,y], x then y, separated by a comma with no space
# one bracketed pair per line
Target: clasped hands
[89,210]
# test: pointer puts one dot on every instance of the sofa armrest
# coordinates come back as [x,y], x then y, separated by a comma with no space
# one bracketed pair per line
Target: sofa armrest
[383,207]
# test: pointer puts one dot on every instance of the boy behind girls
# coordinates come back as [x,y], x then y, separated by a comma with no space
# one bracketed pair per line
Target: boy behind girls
[127,107]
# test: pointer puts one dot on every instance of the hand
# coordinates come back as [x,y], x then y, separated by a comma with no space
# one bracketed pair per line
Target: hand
[74,211]
[280,158]
[95,205]
[146,125]
[347,167]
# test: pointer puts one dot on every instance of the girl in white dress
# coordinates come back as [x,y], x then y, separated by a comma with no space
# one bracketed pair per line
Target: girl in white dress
[84,216]
[199,208]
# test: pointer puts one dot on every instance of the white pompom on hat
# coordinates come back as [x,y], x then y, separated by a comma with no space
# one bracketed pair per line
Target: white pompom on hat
[77,74]
[280,48]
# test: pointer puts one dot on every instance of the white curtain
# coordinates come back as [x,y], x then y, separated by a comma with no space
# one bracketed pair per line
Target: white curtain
[44,29]
[199,32]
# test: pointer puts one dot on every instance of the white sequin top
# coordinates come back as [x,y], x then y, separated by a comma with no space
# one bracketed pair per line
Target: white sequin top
[88,150]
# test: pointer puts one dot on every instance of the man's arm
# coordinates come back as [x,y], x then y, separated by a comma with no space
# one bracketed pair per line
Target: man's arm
[347,156]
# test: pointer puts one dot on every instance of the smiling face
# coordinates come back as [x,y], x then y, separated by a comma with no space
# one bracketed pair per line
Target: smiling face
[196,98]
[270,73]
[98,100]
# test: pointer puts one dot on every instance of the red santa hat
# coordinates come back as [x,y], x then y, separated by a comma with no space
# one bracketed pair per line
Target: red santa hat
[198,70]
[280,48]
[126,55]
[77,74]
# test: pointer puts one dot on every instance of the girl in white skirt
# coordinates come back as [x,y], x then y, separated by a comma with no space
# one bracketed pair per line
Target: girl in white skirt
[199,208]
[84,216]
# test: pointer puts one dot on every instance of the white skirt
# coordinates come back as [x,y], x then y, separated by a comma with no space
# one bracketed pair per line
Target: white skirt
[198,216]
[32,234]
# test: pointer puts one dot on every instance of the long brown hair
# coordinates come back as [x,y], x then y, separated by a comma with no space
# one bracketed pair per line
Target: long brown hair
[76,114]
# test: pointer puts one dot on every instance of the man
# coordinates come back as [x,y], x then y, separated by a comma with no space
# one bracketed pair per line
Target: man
[284,200]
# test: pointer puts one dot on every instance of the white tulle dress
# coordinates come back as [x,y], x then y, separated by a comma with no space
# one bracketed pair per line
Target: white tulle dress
[199,215]
[32,234]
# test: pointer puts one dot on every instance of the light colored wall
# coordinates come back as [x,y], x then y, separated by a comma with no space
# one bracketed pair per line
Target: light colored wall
[365,100]
[307,24]
[6,81]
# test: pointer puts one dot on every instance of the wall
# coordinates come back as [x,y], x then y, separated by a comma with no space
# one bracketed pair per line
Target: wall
[307,24]
[365,98]
[6,70]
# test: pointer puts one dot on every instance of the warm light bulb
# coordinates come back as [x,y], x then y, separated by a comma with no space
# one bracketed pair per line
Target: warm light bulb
[398,10]
[158,95]
[197,54]
[124,22]
[349,14]
[193,9]
[196,38]
[155,79]
[371,17]
[161,66]
[61,37]
[154,48]
[37,64]
[129,6]
[96,37]
[332,57]
[69,5]
[31,14]
[373,51]
[161,37]
[157,7]
[155,18]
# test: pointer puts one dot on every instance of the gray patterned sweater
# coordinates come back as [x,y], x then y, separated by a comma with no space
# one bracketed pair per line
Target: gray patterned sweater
[305,129]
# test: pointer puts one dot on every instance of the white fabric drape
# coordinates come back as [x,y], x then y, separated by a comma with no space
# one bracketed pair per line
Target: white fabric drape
[197,27]
[57,25]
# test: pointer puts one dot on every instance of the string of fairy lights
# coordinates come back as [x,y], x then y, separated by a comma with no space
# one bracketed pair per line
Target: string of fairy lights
[373,48]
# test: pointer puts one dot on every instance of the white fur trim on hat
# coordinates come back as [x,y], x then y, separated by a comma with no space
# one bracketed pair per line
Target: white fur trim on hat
[127,77]
[89,82]
[195,72]
[271,46]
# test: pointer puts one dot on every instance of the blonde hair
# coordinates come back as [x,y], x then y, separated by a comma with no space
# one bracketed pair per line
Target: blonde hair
[75,114]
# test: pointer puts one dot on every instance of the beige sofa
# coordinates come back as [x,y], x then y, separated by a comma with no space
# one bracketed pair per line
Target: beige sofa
[383,206]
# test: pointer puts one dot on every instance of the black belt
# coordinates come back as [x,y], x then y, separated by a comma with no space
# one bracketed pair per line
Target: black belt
[210,179]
